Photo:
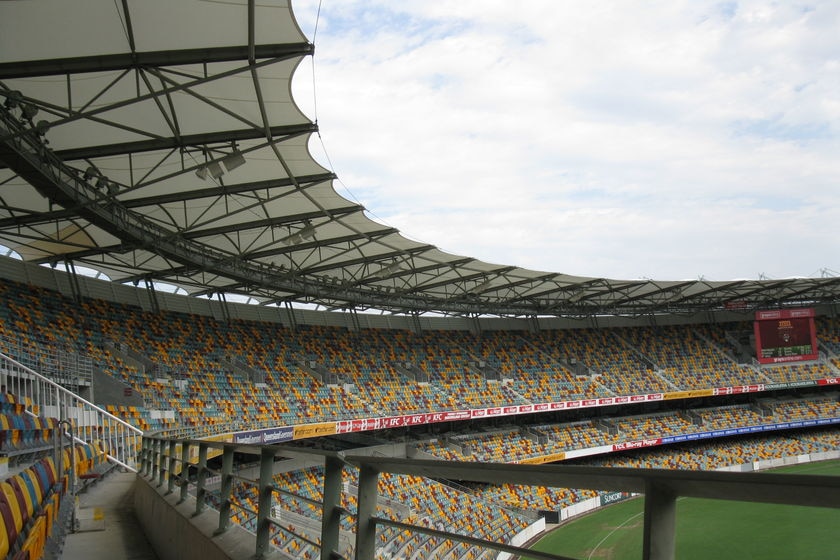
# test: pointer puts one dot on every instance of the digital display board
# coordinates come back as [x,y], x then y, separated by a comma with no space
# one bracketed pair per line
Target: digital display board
[785,335]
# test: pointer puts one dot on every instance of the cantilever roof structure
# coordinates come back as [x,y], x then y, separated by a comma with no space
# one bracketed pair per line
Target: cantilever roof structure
[158,141]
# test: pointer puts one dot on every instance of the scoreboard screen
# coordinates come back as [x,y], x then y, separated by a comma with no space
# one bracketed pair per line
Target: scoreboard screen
[785,335]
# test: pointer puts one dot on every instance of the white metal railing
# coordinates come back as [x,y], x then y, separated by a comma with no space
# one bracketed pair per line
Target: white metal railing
[121,441]
[63,366]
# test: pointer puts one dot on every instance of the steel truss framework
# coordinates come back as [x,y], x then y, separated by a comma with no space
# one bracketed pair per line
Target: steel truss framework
[154,153]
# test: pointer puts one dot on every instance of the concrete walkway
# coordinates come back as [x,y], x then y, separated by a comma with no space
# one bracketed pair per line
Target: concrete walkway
[109,502]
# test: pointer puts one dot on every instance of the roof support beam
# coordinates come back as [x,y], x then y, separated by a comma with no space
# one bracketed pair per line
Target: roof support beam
[212,192]
[107,63]
[156,144]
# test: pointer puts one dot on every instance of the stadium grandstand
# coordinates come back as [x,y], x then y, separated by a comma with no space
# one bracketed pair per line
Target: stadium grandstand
[281,376]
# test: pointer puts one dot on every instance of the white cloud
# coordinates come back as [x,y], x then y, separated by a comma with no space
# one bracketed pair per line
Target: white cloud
[623,140]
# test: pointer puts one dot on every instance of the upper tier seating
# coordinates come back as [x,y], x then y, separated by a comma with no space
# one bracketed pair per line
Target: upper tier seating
[196,371]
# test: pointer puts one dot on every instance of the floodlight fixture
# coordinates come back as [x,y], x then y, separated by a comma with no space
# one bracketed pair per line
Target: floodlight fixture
[233,160]
[480,287]
[42,127]
[215,169]
[395,266]
[29,111]
[294,239]
[307,231]
[13,99]
[201,172]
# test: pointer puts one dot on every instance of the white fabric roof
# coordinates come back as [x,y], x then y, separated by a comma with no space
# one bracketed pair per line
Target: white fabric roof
[141,103]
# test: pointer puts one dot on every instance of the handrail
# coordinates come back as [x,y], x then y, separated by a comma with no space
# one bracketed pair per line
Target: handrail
[91,423]
[661,488]
[160,459]
[163,461]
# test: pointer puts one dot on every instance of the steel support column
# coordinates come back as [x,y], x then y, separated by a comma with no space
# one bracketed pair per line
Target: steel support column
[660,522]
[225,490]
[201,491]
[161,462]
[331,514]
[185,472]
[264,510]
[170,486]
[365,526]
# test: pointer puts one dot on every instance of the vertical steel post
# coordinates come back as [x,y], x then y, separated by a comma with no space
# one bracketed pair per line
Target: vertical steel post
[660,522]
[365,526]
[185,471]
[266,491]
[161,462]
[331,514]
[172,464]
[225,489]
[144,456]
[201,492]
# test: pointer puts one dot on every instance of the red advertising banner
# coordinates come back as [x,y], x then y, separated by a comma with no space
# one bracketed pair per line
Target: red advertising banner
[368,424]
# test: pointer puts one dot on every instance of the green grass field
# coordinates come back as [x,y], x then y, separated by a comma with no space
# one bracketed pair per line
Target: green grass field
[717,529]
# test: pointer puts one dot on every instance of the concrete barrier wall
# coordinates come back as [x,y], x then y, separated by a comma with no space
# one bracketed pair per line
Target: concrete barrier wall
[176,535]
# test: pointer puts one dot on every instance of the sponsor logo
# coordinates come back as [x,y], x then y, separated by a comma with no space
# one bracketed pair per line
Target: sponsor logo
[558,405]
[510,410]
[396,421]
[638,444]
[619,400]
[611,498]
[283,434]
[494,411]
[541,407]
[573,404]
[590,402]
[251,438]
[605,401]
[526,408]
[314,430]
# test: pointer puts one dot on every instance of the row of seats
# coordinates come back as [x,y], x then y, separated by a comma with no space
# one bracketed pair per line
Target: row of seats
[719,454]
[420,501]
[31,497]
[30,501]
[511,444]
[196,365]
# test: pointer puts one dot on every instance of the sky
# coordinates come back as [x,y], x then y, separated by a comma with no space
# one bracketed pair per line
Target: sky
[664,140]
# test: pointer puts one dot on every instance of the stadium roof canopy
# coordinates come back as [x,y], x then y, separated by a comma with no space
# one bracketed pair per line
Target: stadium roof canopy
[158,142]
